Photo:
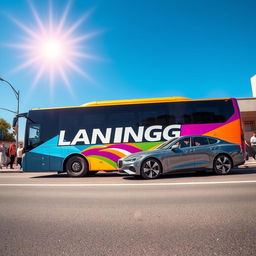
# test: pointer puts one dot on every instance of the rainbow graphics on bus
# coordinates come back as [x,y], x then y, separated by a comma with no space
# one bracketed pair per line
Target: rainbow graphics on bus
[95,135]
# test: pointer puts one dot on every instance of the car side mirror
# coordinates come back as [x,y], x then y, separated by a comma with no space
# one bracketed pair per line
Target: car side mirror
[174,147]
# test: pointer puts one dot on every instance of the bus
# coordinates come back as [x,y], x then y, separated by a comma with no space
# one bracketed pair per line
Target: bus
[85,139]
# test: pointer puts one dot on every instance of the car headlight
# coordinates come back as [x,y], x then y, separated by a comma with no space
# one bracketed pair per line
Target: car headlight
[131,160]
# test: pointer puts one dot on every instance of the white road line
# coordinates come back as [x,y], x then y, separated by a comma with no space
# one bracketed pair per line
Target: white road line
[124,184]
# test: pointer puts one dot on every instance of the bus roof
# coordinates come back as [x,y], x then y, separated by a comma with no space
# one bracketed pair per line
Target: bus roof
[129,102]
[134,101]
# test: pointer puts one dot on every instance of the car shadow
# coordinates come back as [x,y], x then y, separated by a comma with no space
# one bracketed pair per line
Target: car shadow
[175,175]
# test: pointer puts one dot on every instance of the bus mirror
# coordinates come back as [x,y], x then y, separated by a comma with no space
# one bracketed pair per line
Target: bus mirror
[14,122]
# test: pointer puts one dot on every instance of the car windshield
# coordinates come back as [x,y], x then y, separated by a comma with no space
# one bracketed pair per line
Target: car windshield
[166,144]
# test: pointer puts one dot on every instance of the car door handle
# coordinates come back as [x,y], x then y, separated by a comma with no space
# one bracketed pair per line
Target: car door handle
[192,150]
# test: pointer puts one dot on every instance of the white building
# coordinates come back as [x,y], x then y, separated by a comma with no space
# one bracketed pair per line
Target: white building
[248,111]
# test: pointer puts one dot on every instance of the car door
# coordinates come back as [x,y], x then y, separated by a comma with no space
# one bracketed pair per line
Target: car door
[201,151]
[182,157]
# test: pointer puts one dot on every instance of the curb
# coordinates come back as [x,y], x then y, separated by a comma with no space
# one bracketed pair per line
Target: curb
[11,171]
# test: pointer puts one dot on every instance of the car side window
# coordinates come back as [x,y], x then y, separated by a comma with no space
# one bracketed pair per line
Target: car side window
[184,143]
[200,141]
[212,141]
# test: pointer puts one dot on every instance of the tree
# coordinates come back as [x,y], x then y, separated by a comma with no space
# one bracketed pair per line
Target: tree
[5,135]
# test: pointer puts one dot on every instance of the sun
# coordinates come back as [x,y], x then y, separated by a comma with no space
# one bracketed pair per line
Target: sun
[52,48]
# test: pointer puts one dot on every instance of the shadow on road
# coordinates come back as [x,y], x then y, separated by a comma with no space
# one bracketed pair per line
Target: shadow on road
[195,174]
[98,175]
[187,174]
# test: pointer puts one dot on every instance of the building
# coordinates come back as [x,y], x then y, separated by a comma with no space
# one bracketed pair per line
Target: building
[248,111]
[248,115]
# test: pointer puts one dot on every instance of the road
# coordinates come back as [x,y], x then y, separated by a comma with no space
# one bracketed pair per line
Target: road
[111,214]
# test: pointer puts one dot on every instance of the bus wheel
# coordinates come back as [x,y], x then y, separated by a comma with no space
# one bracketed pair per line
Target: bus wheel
[76,166]
[150,169]
[222,164]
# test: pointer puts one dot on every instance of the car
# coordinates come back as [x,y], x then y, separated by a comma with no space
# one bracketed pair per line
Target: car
[184,153]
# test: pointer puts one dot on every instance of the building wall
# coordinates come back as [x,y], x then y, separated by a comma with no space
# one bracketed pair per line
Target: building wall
[248,115]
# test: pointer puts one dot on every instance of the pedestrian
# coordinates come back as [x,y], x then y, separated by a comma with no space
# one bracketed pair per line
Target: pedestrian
[253,145]
[19,155]
[12,153]
[247,149]
[3,157]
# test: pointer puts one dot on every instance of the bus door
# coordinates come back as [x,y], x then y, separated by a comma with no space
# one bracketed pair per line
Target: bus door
[37,155]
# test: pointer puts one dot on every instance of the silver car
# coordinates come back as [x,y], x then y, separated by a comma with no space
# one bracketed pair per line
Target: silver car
[184,153]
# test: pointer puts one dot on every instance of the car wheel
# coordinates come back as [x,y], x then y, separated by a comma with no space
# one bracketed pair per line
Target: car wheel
[150,169]
[76,166]
[222,164]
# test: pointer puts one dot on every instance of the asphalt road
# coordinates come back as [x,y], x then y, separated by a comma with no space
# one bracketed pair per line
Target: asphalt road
[110,214]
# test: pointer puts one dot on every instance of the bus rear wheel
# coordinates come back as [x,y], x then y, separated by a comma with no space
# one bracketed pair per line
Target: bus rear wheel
[76,166]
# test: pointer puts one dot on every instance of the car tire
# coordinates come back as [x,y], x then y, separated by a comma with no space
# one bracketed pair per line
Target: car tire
[76,166]
[151,169]
[222,164]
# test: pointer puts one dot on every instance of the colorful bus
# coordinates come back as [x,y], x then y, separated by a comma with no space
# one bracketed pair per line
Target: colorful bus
[89,138]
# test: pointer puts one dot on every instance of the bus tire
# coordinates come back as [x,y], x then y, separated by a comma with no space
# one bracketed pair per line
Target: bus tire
[222,164]
[76,166]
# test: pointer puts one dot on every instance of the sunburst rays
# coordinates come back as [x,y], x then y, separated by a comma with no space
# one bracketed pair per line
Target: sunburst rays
[52,48]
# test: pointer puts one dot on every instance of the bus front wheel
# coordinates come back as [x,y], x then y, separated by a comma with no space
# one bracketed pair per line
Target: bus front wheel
[76,166]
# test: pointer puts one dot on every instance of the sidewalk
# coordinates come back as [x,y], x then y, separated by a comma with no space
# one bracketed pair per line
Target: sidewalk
[8,170]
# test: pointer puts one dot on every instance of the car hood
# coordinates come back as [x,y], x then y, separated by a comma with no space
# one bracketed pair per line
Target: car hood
[144,153]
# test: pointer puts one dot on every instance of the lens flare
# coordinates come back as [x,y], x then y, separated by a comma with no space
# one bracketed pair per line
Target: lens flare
[52,48]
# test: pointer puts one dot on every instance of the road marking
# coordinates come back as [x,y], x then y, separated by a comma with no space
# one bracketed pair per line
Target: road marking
[124,184]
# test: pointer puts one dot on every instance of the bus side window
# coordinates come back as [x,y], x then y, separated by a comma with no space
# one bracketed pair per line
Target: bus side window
[34,135]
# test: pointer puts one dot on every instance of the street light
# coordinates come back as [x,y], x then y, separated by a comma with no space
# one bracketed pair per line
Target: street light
[17,95]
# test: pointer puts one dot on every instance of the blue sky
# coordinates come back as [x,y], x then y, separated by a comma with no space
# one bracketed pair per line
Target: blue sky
[147,48]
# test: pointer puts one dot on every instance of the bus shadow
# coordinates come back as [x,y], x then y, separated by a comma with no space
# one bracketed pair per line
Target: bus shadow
[65,176]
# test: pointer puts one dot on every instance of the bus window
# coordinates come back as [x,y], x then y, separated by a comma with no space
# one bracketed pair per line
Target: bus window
[156,115]
[34,135]
[121,118]
[218,111]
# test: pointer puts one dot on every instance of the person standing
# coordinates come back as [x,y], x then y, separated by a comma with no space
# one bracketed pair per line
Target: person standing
[3,158]
[12,153]
[19,155]
[253,145]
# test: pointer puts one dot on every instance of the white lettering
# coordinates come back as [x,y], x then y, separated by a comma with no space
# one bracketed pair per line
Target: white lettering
[152,133]
[78,137]
[175,133]
[118,135]
[97,133]
[156,135]
[61,139]
[128,131]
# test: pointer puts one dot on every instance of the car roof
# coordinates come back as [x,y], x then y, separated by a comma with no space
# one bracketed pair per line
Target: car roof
[204,136]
